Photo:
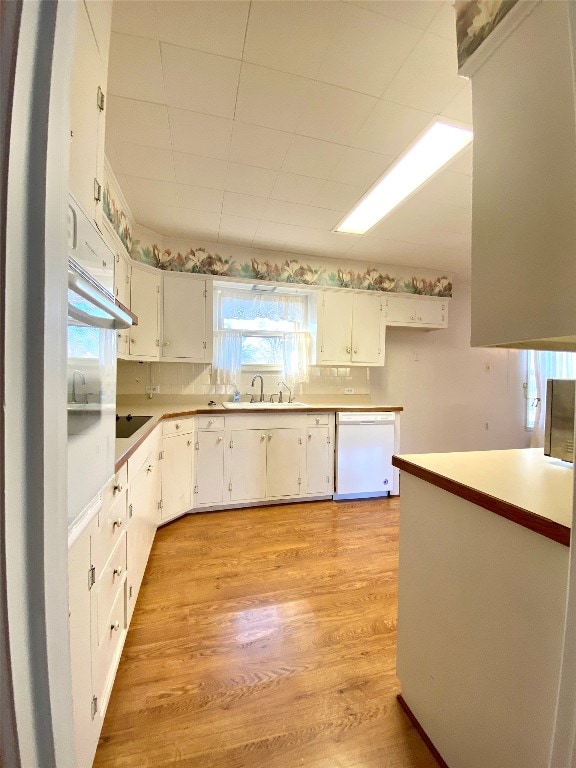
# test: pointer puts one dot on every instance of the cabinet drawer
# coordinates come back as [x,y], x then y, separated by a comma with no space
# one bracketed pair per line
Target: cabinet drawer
[210,422]
[111,524]
[109,582]
[318,419]
[115,487]
[177,426]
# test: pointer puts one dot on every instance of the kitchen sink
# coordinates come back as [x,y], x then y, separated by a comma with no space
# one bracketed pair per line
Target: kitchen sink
[127,425]
[259,406]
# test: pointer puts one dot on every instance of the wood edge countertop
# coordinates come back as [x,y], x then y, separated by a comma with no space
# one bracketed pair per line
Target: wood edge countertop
[521,485]
[129,444]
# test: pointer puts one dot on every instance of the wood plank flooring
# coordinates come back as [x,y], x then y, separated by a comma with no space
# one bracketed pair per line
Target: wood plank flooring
[265,638]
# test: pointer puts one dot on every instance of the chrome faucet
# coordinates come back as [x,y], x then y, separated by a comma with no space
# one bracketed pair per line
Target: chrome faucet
[258,376]
[83,384]
[282,384]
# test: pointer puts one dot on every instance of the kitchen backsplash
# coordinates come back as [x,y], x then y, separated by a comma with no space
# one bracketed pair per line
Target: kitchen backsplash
[194,380]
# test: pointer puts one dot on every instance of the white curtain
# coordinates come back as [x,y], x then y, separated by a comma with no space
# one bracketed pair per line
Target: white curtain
[241,312]
[227,358]
[548,365]
[296,357]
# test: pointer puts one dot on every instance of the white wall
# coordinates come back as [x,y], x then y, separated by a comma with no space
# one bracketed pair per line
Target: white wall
[449,391]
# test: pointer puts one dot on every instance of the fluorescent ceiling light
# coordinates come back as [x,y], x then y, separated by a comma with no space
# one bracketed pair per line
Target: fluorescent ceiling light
[438,144]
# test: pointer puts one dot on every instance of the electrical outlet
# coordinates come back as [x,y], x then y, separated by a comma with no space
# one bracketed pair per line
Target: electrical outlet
[152,389]
[349,391]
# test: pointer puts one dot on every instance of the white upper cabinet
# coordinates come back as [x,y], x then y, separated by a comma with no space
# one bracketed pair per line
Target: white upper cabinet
[416,311]
[87,103]
[186,318]
[144,303]
[351,328]
[524,186]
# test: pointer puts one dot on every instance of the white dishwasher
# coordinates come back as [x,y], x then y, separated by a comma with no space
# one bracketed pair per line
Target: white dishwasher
[365,442]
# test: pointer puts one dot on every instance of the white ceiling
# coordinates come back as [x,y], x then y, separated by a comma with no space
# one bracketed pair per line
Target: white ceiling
[262,123]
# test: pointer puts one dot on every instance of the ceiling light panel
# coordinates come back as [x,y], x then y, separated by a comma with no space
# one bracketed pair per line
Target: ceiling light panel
[437,145]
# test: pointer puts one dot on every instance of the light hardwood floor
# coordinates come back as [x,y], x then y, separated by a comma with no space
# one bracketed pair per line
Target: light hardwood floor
[265,638]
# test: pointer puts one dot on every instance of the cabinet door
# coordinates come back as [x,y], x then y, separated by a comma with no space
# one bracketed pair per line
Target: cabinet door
[143,518]
[122,280]
[144,292]
[176,475]
[335,332]
[209,488]
[367,330]
[184,318]
[85,727]
[319,461]
[248,464]
[88,74]
[283,462]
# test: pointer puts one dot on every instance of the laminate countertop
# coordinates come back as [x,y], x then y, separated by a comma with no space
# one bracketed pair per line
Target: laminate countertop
[521,485]
[125,447]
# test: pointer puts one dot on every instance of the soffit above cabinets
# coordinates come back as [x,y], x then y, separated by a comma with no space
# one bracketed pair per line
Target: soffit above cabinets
[263,123]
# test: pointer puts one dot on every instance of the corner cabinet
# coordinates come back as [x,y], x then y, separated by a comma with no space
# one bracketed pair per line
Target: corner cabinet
[175,316]
[186,318]
[350,328]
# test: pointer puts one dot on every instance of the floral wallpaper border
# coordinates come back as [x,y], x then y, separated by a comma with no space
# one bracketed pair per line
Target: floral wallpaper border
[292,270]
[117,218]
[475,21]
[200,261]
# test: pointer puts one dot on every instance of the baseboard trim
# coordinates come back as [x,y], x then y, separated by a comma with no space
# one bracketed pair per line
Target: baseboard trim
[423,735]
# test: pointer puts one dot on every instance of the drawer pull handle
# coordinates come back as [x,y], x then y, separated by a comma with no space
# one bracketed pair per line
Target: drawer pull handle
[118,571]
[317,421]
[118,522]
[115,627]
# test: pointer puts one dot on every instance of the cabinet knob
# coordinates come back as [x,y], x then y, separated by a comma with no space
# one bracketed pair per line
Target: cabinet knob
[348,349]
[385,482]
[262,437]
[269,437]
[309,435]
[115,627]
[177,425]
[219,439]
[165,343]
[118,488]
[356,351]
[118,522]
[189,443]
[132,340]
[317,420]
[118,571]
[210,422]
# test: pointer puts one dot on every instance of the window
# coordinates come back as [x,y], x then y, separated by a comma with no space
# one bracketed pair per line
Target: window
[541,366]
[263,330]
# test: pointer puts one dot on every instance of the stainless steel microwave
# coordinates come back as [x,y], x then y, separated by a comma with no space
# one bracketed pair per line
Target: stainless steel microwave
[559,427]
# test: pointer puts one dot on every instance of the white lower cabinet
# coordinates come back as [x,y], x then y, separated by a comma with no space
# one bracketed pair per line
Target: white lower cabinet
[209,476]
[143,512]
[319,461]
[247,464]
[284,463]
[177,468]
[106,564]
